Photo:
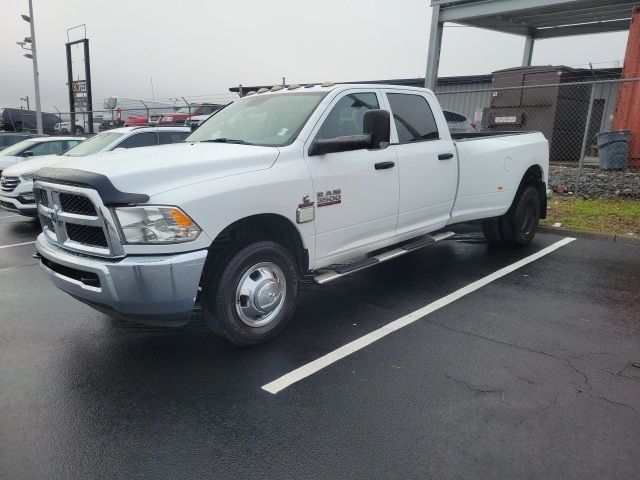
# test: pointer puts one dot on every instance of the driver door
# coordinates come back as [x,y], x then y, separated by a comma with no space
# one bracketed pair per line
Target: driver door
[355,192]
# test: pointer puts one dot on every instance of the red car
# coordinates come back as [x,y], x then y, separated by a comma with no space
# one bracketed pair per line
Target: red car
[179,117]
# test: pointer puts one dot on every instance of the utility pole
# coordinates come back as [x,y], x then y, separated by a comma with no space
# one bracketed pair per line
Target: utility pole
[34,57]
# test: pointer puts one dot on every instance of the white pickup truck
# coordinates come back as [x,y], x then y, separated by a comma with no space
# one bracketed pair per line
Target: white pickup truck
[320,180]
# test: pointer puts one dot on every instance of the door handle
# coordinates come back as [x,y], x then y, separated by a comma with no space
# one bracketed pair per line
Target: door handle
[384,165]
[445,156]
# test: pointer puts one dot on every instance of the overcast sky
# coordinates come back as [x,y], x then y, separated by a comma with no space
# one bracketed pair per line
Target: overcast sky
[199,47]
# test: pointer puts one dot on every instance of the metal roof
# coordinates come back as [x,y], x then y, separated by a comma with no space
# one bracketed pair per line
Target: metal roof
[454,80]
[540,18]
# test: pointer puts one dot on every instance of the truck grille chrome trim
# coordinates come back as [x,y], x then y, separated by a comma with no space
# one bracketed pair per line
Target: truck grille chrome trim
[9,184]
[75,219]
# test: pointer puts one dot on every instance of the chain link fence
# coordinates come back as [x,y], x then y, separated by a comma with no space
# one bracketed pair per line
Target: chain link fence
[570,114]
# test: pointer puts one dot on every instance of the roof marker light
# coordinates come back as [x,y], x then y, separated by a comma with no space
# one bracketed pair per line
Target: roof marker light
[327,84]
[263,89]
[252,92]
[293,86]
[275,88]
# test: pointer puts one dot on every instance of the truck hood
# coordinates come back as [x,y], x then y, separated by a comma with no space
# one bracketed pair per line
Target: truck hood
[152,170]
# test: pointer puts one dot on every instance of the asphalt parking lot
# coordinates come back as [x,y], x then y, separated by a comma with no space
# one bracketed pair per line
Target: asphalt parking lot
[529,375]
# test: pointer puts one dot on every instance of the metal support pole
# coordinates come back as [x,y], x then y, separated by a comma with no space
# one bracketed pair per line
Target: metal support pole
[147,109]
[36,80]
[435,45]
[586,132]
[72,104]
[240,91]
[188,106]
[528,51]
[87,78]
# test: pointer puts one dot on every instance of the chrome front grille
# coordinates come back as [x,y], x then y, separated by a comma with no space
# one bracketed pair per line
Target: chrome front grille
[76,219]
[9,184]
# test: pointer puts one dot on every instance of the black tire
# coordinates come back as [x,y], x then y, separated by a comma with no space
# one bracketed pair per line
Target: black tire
[78,131]
[520,223]
[220,290]
[492,230]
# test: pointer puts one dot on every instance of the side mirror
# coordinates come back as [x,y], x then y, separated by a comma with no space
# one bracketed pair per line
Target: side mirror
[377,123]
[28,153]
[339,144]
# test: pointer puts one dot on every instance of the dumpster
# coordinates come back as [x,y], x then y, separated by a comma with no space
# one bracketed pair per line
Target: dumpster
[614,149]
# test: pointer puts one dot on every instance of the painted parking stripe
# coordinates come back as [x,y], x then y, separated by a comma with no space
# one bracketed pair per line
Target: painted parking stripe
[17,244]
[360,343]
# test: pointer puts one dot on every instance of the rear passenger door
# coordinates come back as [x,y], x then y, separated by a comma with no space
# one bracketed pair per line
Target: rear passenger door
[141,139]
[427,163]
[167,137]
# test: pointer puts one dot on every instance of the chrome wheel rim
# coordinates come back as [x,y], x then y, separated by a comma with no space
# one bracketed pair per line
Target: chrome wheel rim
[261,294]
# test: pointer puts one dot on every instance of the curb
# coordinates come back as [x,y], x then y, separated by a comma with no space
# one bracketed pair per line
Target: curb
[603,237]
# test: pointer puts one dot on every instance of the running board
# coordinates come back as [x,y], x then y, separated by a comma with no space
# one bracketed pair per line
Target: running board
[344,270]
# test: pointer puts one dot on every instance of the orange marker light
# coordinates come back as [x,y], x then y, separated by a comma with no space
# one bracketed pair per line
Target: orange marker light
[180,218]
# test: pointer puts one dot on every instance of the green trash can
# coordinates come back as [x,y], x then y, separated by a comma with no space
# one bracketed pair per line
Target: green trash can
[613,148]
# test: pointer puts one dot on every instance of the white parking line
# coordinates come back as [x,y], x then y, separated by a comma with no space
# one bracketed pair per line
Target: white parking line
[17,244]
[358,344]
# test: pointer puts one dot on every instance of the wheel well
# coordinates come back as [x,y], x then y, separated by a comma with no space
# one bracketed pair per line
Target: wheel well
[533,176]
[262,227]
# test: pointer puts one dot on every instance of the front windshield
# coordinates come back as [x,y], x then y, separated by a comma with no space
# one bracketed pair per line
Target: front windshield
[183,110]
[95,144]
[18,148]
[271,120]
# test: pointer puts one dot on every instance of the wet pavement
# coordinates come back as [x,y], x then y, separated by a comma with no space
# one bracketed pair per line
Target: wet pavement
[531,376]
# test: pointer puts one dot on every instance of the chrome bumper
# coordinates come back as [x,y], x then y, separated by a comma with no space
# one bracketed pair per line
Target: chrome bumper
[159,290]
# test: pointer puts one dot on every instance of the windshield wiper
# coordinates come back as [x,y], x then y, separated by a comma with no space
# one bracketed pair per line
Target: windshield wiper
[227,140]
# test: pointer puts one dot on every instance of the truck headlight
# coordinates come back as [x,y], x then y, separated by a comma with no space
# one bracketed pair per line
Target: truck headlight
[153,224]
[28,176]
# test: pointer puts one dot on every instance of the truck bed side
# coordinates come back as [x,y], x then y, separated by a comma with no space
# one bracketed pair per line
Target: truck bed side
[491,168]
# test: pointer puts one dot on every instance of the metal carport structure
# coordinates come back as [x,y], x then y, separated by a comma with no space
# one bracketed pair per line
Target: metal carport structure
[533,19]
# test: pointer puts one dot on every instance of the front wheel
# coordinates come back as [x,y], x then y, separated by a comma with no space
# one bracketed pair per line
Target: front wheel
[250,294]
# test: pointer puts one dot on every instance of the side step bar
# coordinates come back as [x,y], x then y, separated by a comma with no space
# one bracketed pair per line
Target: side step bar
[343,270]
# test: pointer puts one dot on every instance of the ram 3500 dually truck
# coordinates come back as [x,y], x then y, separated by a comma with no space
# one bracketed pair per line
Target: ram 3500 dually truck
[320,180]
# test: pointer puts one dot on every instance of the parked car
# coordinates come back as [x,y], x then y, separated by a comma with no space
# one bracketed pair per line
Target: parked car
[35,147]
[277,186]
[82,126]
[11,138]
[459,123]
[16,188]
[19,120]
[183,114]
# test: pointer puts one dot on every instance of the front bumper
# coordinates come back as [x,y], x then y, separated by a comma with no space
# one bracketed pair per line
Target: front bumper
[18,205]
[157,290]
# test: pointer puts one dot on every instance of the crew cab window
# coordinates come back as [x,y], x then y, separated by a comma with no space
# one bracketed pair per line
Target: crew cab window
[454,117]
[172,137]
[144,139]
[413,117]
[346,117]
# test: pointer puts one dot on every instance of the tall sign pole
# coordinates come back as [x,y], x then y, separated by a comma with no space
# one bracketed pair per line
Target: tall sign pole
[80,92]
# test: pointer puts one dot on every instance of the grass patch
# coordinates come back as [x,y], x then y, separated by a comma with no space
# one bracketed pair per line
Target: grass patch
[621,217]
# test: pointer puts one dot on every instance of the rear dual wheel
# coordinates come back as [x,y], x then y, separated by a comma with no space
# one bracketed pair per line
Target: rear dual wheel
[518,226]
